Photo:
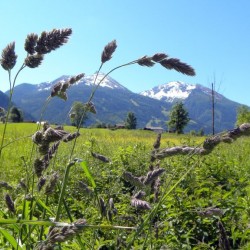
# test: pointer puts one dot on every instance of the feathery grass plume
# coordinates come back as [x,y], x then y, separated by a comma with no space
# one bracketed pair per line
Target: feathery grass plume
[9,203]
[50,187]
[159,57]
[8,60]
[76,78]
[22,184]
[59,89]
[156,189]
[157,142]
[210,212]
[56,89]
[84,187]
[103,208]
[132,179]
[30,43]
[140,204]
[139,194]
[37,138]
[53,135]
[223,240]
[145,61]
[152,175]
[100,157]
[176,64]
[109,49]
[2,109]
[70,137]
[52,40]
[5,185]
[43,148]
[41,183]
[90,107]
[57,234]
[46,159]
[112,206]
[33,61]
[38,167]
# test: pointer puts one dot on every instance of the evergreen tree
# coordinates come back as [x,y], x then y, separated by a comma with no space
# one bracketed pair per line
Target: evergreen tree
[131,121]
[243,115]
[78,114]
[178,118]
[15,115]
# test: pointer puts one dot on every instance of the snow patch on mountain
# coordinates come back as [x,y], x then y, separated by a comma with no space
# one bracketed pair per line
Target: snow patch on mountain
[89,80]
[170,91]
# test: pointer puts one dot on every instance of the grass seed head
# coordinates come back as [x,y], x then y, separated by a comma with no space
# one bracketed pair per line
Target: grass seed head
[152,175]
[132,179]
[50,188]
[145,61]
[41,183]
[5,185]
[176,64]
[76,78]
[70,137]
[109,49]
[52,40]
[38,167]
[33,61]
[30,43]
[140,204]
[8,60]
[9,203]
[159,57]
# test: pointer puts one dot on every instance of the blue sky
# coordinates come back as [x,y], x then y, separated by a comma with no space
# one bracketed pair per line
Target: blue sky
[211,35]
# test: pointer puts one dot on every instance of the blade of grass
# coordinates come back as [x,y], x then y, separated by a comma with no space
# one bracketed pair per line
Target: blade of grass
[88,174]
[10,239]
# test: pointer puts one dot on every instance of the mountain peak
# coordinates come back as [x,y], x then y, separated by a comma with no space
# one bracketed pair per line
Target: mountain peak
[170,91]
[89,80]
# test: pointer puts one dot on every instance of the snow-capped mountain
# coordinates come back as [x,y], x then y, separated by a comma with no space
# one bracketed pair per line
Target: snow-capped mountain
[89,80]
[173,91]
[113,102]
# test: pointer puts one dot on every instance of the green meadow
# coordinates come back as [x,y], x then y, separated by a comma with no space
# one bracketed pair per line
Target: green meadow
[202,201]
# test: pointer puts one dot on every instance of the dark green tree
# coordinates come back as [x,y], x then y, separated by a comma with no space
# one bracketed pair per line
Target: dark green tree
[243,115]
[131,121]
[78,114]
[178,118]
[15,115]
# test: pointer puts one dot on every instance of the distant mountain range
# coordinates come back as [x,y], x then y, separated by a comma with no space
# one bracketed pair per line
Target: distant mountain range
[113,101]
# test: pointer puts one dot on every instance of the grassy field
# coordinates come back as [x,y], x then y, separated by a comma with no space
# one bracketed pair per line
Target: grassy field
[196,202]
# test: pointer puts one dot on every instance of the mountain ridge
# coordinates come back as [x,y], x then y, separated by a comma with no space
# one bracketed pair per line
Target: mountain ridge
[113,101]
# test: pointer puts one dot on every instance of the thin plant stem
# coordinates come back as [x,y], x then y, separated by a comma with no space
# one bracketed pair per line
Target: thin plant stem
[64,184]
[9,104]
